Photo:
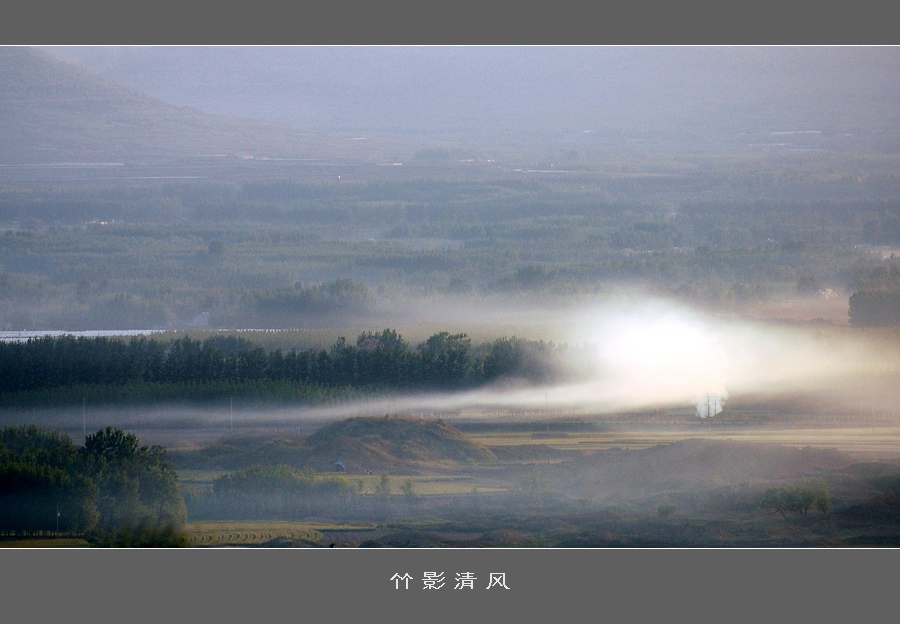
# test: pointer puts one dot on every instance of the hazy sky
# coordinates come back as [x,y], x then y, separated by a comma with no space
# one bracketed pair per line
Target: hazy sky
[508,94]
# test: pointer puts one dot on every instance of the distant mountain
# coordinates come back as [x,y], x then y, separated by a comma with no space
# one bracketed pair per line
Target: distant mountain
[54,111]
[514,96]
[139,103]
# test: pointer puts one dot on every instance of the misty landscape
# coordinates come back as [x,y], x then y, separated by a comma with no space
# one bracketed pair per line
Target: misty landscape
[450,297]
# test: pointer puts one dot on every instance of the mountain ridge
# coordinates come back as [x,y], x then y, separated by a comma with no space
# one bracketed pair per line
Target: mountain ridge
[513,96]
[59,112]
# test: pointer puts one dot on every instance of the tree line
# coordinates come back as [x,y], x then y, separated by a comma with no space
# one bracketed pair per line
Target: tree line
[377,360]
[273,492]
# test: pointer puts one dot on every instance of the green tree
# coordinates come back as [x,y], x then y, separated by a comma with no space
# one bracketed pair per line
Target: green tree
[778,499]
[800,497]
[816,495]
[383,488]
[384,357]
[409,491]
[445,359]
[532,483]
[42,488]
[666,507]
[137,485]
[278,491]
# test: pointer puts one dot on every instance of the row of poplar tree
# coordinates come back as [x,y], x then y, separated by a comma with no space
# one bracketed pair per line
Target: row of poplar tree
[377,359]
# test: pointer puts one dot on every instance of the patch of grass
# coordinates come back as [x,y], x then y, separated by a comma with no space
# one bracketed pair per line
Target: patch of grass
[880,439]
[228,533]
[431,485]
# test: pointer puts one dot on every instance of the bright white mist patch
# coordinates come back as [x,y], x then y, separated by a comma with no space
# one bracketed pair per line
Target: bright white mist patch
[640,353]
[657,356]
[634,353]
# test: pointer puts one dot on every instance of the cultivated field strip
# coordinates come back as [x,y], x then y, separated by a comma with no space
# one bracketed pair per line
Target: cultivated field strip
[878,439]
[213,534]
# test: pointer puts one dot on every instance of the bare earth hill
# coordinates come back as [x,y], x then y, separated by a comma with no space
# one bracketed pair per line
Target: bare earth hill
[392,441]
[384,444]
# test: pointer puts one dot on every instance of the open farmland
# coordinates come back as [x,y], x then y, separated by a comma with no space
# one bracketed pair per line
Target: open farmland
[866,441]
[250,533]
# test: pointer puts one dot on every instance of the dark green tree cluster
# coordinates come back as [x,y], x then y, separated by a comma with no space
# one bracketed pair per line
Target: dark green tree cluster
[801,497]
[666,507]
[49,486]
[272,492]
[380,359]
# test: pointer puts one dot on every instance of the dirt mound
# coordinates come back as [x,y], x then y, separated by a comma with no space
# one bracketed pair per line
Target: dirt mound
[241,452]
[689,465]
[380,444]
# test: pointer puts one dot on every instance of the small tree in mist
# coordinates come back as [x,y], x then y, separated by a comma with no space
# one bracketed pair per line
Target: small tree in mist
[409,492]
[383,487]
[666,507]
[532,483]
[810,494]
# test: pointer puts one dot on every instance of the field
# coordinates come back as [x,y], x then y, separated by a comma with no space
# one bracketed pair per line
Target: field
[869,441]
[251,533]
[577,483]
[570,483]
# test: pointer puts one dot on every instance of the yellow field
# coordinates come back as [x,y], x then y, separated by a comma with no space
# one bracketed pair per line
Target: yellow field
[251,533]
[368,484]
[874,441]
[430,485]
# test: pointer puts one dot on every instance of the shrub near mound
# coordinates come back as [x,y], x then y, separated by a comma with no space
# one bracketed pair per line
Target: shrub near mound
[279,492]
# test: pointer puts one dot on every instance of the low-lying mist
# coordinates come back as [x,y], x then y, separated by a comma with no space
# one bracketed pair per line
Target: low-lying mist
[614,356]
[653,353]
[635,353]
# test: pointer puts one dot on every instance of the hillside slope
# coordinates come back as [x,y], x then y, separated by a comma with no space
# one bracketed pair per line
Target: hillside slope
[392,445]
[362,443]
[56,112]
[538,95]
